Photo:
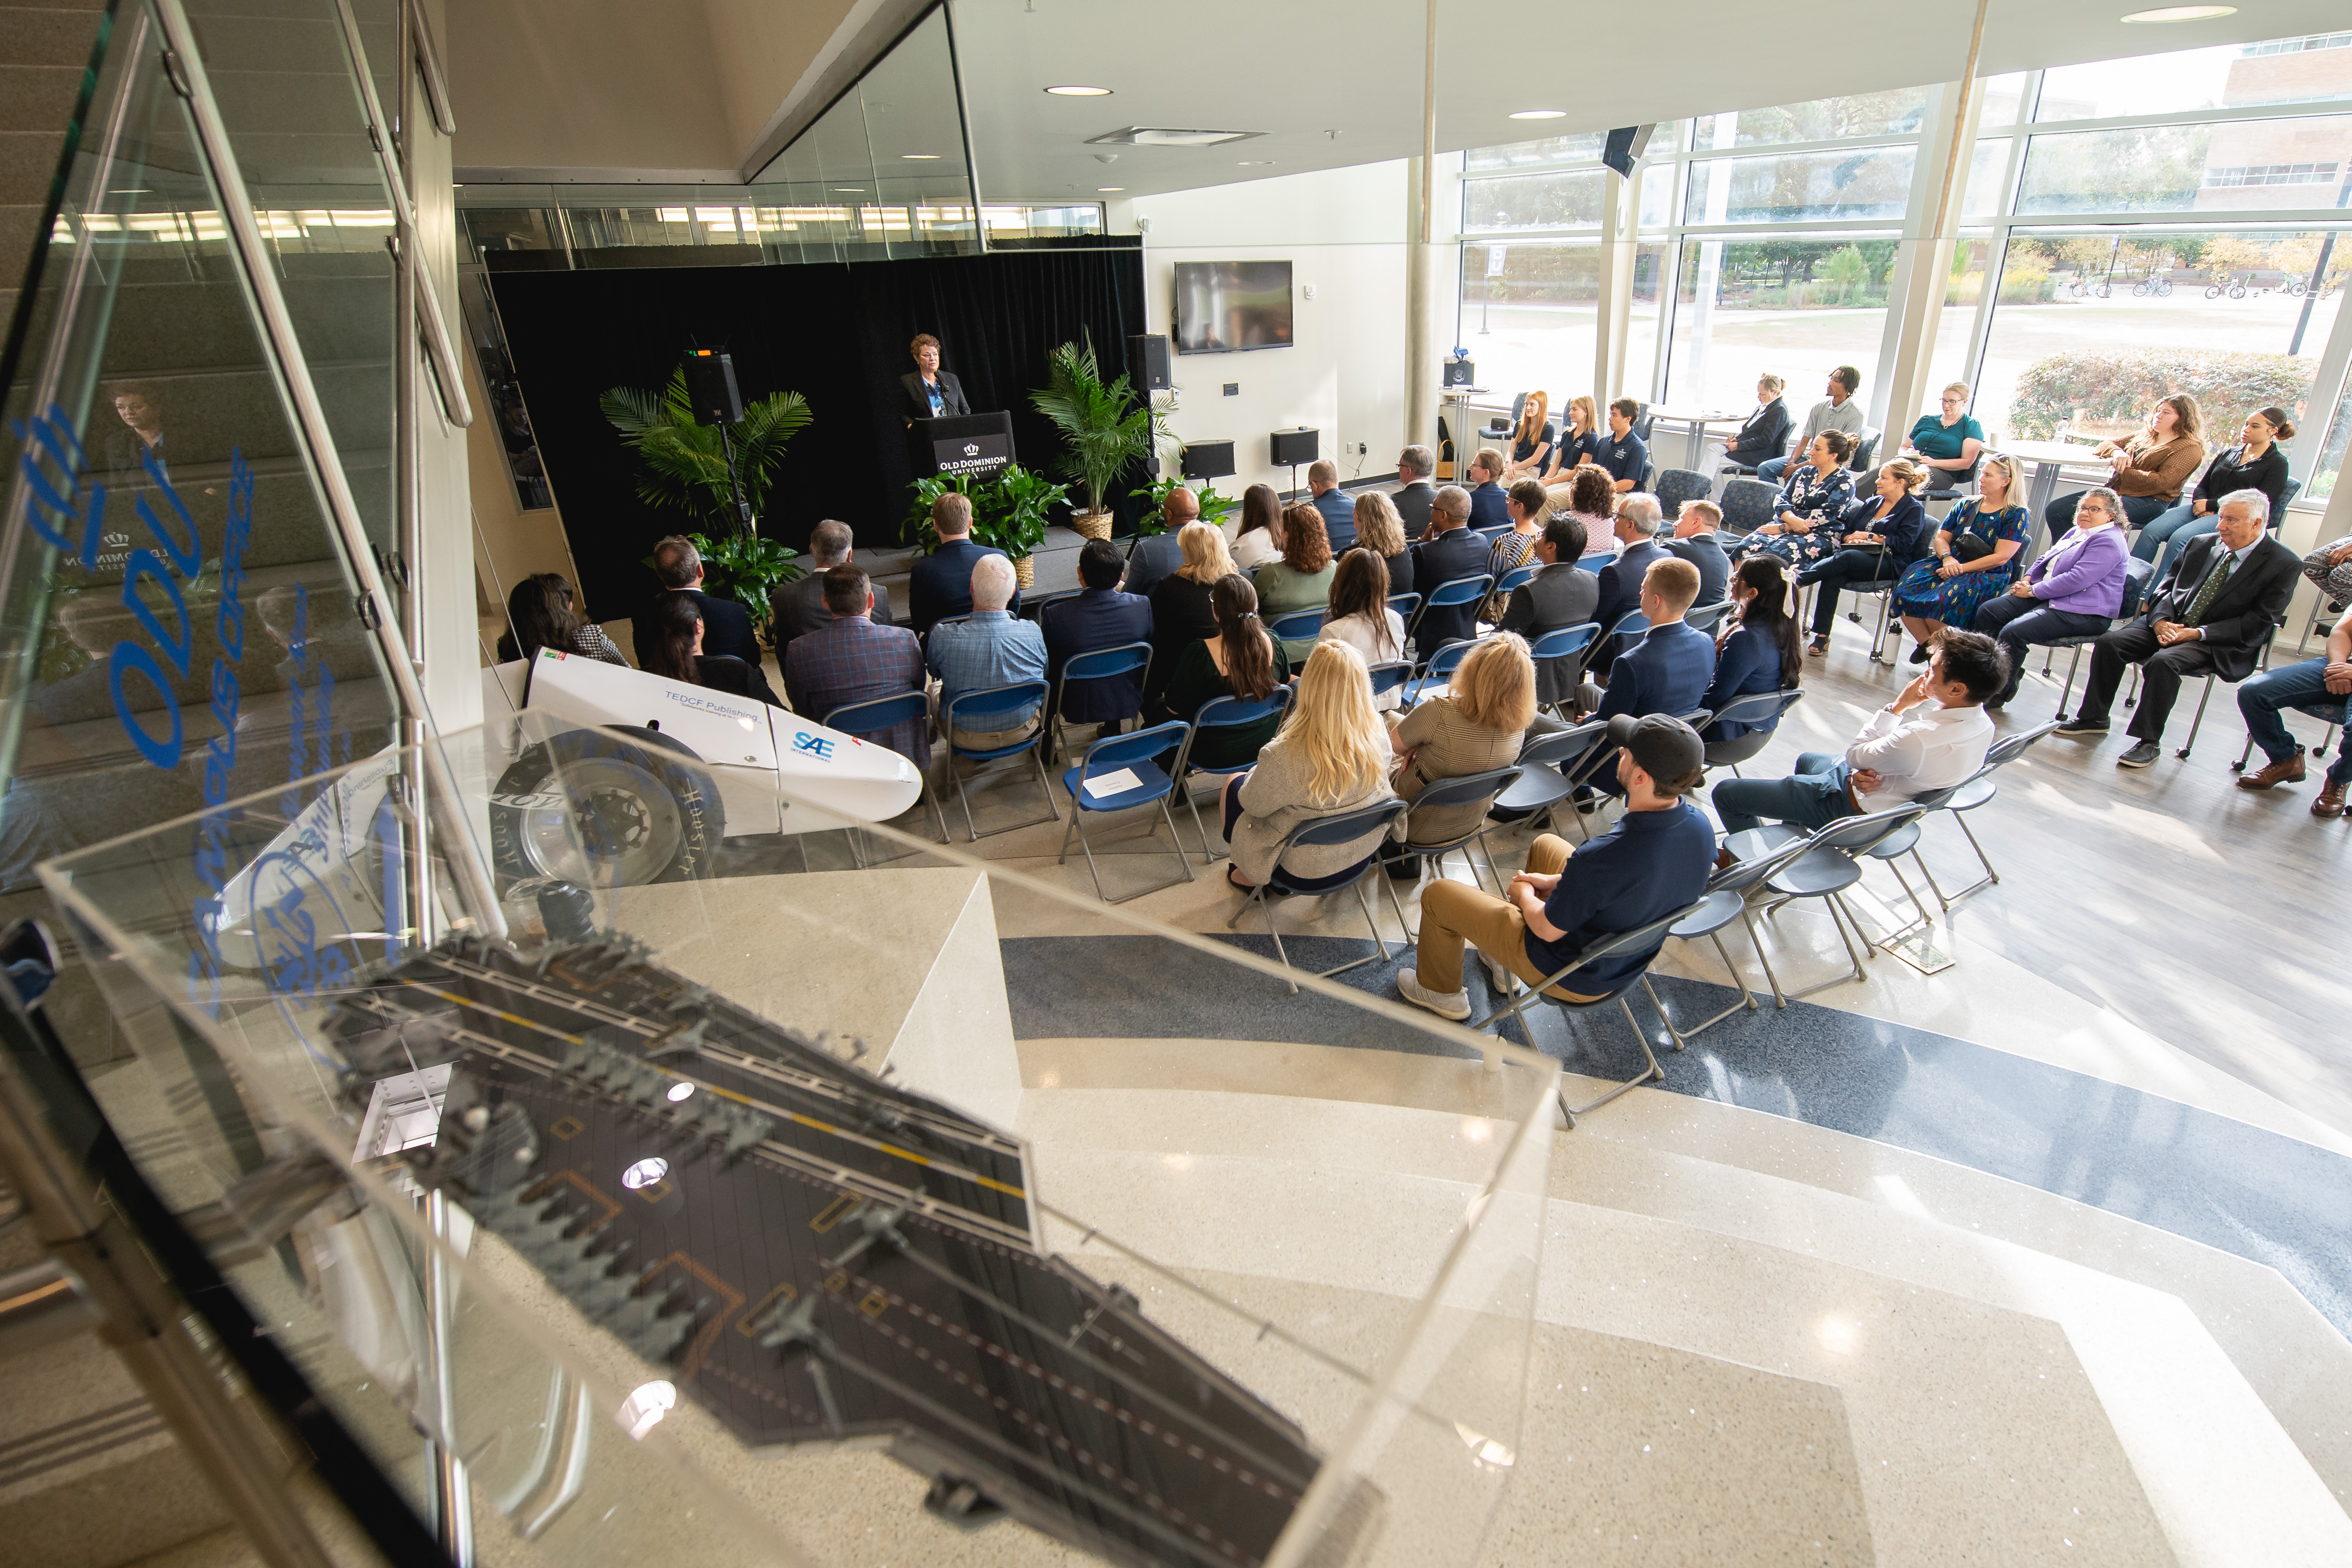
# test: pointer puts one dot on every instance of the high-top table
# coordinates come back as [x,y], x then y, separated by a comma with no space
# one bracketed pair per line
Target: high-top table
[1694,421]
[2047,458]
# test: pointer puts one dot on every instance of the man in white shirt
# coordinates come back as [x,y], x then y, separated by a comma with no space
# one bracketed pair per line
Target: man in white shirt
[1836,412]
[1934,735]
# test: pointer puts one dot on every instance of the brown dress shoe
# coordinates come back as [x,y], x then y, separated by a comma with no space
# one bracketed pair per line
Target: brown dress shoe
[2288,772]
[2330,803]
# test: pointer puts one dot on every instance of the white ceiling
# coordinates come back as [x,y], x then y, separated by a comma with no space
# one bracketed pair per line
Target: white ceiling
[1299,70]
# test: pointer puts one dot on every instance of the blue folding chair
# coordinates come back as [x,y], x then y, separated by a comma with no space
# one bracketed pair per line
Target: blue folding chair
[1442,665]
[1407,606]
[1034,608]
[1727,900]
[981,712]
[1760,711]
[1137,753]
[1388,675]
[1344,827]
[1566,647]
[1102,664]
[1517,577]
[1460,591]
[1479,790]
[1221,713]
[1706,617]
[1296,626]
[871,717]
[1550,767]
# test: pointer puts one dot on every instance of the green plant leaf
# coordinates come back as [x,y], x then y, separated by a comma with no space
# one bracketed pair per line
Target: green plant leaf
[683,464]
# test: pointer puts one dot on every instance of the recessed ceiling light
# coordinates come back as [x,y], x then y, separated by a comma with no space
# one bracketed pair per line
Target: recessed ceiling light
[1108,190]
[1253,162]
[1540,114]
[2182,14]
[921,157]
[849,190]
[1168,136]
[1079,91]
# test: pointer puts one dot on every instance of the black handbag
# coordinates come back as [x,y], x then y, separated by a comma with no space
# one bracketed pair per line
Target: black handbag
[1971,546]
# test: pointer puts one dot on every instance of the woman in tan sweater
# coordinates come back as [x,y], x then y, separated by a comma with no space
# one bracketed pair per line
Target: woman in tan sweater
[2151,469]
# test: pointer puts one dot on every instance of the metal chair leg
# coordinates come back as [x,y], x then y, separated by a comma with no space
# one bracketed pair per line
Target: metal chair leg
[1756,939]
[1656,1074]
[2204,697]
[2073,665]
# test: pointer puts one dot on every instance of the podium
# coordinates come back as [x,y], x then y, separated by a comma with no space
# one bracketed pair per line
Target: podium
[963,445]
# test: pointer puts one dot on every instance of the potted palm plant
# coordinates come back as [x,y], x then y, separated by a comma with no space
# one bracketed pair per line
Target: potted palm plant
[684,463]
[1106,428]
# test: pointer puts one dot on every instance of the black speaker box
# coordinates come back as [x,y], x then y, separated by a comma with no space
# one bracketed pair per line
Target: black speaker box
[1460,372]
[1293,447]
[710,387]
[1208,459]
[1148,364]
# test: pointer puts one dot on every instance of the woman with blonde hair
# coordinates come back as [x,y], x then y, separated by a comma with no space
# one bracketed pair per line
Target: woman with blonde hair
[1260,539]
[1531,443]
[1579,438]
[1474,726]
[1301,579]
[1331,755]
[1971,560]
[1380,531]
[1765,434]
[1182,613]
[2151,469]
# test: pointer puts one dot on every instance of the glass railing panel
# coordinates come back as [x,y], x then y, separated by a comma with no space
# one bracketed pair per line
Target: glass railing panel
[903,1142]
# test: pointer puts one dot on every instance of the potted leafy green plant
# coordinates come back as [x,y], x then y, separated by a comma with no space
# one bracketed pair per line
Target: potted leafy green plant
[749,570]
[684,464]
[1106,428]
[1154,496]
[1008,513]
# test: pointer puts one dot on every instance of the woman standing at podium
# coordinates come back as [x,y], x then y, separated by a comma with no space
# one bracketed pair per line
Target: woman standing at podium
[930,392]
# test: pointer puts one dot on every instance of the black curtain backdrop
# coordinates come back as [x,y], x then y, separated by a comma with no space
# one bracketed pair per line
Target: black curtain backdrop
[838,335]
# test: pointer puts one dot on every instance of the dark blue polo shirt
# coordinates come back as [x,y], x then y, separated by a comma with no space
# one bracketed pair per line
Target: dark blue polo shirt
[1644,869]
[1625,456]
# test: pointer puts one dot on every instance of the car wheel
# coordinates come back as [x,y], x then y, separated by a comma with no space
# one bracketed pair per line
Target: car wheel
[590,807]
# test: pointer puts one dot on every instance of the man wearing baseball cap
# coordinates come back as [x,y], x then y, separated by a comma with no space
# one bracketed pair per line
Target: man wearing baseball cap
[1655,861]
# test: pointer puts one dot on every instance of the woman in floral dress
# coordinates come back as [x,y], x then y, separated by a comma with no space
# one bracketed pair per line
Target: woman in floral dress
[1813,496]
[1945,588]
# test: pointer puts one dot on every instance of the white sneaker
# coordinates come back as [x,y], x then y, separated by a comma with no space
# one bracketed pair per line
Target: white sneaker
[1498,975]
[1452,1005]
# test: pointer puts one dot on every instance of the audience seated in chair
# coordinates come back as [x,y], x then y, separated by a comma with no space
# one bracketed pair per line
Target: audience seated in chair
[1259,539]
[2329,567]
[1876,540]
[1360,616]
[1531,440]
[1474,726]
[1579,438]
[2326,679]
[1560,594]
[1415,465]
[1380,531]
[673,630]
[1162,554]
[1301,579]
[2254,463]
[1838,412]
[1933,736]
[1526,505]
[1764,437]
[1699,539]
[1098,616]
[799,606]
[2072,590]
[1971,559]
[1668,671]
[726,630]
[850,659]
[939,584]
[1593,501]
[988,648]
[539,614]
[2212,613]
[1636,529]
[1622,455]
[1182,613]
[2150,469]
[1758,649]
[1654,861]
[1337,511]
[1448,552]
[1332,755]
[1487,498]
[1947,444]
[1812,501]
[1237,659]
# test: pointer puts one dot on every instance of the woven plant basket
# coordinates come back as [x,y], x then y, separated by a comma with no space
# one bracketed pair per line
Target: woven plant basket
[1093,525]
[1024,573]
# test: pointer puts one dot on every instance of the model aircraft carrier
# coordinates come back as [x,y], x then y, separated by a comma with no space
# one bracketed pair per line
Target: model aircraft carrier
[818,1254]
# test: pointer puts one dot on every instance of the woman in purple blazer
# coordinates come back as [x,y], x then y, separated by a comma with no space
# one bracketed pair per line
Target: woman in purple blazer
[2075,590]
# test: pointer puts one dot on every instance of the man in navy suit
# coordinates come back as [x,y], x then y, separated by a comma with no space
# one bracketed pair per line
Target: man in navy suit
[1620,581]
[1338,510]
[726,625]
[940,585]
[1669,670]
[1449,550]
[1487,498]
[1099,617]
[799,606]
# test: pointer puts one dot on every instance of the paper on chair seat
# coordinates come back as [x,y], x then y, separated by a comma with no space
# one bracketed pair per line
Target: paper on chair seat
[1118,783]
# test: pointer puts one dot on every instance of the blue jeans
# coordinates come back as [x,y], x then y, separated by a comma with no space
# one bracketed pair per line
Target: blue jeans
[1771,469]
[1815,797]
[2261,698]
[2163,540]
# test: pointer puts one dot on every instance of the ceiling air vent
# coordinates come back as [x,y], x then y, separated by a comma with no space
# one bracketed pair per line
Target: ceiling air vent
[1162,136]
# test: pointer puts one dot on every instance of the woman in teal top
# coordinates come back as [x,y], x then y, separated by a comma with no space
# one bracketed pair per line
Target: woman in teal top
[1950,443]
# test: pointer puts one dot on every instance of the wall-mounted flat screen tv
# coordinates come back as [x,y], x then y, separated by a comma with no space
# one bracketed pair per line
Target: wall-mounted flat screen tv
[1224,307]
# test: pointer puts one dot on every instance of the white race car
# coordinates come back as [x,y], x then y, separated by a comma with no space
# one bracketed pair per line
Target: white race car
[667,770]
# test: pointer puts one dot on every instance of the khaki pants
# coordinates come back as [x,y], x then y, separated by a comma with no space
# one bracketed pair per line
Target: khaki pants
[1453,913]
